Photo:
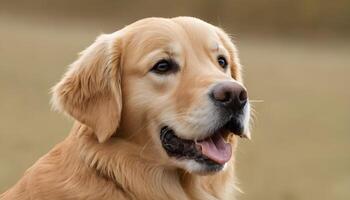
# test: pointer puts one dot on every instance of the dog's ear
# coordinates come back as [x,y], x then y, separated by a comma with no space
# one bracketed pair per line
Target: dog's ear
[90,90]
[235,66]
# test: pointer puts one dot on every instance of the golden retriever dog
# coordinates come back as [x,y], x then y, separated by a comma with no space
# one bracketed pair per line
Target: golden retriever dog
[158,107]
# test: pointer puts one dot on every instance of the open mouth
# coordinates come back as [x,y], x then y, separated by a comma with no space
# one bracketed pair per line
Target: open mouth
[213,150]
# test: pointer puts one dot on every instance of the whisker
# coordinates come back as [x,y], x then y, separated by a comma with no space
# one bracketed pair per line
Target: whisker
[256,101]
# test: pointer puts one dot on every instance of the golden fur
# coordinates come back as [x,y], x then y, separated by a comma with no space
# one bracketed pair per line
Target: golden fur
[113,150]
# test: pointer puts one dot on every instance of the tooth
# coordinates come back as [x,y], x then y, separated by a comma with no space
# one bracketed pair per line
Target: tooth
[245,135]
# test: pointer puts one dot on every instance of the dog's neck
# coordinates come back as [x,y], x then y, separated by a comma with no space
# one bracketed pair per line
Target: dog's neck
[120,162]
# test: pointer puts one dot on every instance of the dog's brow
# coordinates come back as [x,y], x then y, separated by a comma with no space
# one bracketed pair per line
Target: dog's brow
[214,47]
[173,50]
[151,55]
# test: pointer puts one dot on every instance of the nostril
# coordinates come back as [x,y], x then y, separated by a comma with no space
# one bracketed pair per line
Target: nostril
[243,96]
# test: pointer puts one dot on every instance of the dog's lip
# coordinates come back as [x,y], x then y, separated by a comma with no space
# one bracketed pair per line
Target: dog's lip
[236,127]
[228,127]
[223,131]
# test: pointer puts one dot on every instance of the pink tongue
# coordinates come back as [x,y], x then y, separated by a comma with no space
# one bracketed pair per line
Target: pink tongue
[216,149]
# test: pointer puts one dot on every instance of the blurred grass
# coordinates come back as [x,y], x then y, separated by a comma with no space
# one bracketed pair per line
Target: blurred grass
[290,17]
[300,146]
[301,140]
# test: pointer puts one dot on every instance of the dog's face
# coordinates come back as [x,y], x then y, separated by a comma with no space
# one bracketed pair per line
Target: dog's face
[171,86]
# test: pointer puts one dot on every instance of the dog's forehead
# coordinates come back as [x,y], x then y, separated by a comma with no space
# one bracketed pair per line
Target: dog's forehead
[197,29]
[155,33]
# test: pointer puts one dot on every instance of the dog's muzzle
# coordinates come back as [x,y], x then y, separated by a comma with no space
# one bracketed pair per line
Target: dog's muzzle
[230,99]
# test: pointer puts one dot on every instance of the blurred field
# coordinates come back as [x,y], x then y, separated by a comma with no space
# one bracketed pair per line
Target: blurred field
[301,136]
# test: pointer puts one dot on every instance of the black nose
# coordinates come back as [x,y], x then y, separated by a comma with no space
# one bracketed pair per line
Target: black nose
[229,94]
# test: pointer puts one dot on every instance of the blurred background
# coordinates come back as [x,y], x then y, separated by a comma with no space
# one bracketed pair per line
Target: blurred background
[296,57]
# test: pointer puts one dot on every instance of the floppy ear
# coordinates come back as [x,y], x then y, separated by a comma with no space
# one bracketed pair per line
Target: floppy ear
[90,90]
[235,67]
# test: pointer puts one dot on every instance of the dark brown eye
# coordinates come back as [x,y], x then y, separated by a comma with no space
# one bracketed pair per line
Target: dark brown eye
[164,67]
[222,62]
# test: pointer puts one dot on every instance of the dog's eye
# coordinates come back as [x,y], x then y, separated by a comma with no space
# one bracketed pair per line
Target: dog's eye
[164,67]
[222,62]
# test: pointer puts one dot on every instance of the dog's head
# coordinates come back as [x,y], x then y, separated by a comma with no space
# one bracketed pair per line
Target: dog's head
[171,86]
